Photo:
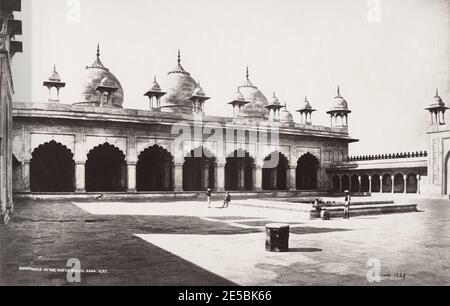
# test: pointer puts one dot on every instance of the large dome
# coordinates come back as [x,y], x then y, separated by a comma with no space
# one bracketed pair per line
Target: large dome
[258,102]
[180,88]
[92,79]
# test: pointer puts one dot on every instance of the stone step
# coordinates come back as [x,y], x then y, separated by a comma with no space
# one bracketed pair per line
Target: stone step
[363,210]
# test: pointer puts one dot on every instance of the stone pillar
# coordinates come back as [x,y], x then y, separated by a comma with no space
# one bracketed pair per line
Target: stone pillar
[418,183]
[167,176]
[288,179]
[405,177]
[80,177]
[393,183]
[257,178]
[178,177]
[340,184]
[370,184]
[206,176]
[292,179]
[131,170]
[381,184]
[241,174]
[359,180]
[26,176]
[219,180]
[274,173]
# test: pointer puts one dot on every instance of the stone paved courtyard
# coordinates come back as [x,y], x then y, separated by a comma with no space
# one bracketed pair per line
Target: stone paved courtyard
[185,243]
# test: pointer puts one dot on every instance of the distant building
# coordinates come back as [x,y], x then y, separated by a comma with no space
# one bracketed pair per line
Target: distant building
[9,27]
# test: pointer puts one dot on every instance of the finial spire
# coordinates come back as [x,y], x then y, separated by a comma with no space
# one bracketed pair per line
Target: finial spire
[179,56]
[154,79]
[247,74]
[437,92]
[339,90]
[98,51]
[54,68]
[306,98]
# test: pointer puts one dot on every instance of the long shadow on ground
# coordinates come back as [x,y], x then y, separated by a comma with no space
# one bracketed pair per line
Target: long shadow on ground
[47,235]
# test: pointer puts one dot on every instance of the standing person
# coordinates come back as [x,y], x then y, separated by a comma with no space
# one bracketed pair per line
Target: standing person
[227,200]
[208,196]
[347,200]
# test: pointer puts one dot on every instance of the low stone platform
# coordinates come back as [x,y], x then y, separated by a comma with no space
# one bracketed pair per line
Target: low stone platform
[336,209]
[359,209]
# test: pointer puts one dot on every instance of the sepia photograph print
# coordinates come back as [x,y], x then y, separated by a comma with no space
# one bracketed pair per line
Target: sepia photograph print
[208,144]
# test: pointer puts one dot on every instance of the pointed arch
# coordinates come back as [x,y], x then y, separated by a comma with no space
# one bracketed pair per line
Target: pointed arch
[106,169]
[274,172]
[52,168]
[307,172]
[239,171]
[199,170]
[154,170]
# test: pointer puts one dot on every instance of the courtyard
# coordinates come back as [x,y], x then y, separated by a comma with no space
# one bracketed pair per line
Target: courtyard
[185,243]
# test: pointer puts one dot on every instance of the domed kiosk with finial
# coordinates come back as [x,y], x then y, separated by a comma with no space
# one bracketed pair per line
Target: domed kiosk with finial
[256,108]
[437,110]
[274,108]
[238,103]
[180,88]
[54,85]
[339,111]
[198,100]
[95,74]
[154,94]
[306,112]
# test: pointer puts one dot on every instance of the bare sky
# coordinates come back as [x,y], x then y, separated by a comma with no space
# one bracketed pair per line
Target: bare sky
[388,70]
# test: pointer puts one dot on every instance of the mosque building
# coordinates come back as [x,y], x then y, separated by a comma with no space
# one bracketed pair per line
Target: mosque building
[95,145]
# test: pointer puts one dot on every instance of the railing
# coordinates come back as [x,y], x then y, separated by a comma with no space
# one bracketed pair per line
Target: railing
[388,156]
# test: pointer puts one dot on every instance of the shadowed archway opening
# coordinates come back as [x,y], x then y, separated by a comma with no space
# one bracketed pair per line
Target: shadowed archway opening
[199,170]
[376,183]
[355,184]
[365,184]
[52,168]
[306,173]
[274,172]
[399,183]
[387,183]
[106,169]
[154,170]
[239,171]
[345,183]
[411,183]
[336,182]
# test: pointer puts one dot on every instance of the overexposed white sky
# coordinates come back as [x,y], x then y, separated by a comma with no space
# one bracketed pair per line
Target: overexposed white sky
[388,70]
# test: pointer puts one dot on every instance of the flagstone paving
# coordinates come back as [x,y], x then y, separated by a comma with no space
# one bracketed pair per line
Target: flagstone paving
[185,243]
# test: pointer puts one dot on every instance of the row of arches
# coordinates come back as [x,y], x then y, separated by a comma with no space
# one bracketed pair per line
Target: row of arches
[52,169]
[387,183]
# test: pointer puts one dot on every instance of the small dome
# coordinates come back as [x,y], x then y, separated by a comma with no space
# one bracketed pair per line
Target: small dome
[339,103]
[199,91]
[180,88]
[238,96]
[286,116]
[108,82]
[274,100]
[437,100]
[155,86]
[306,104]
[258,102]
[94,76]
[54,76]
